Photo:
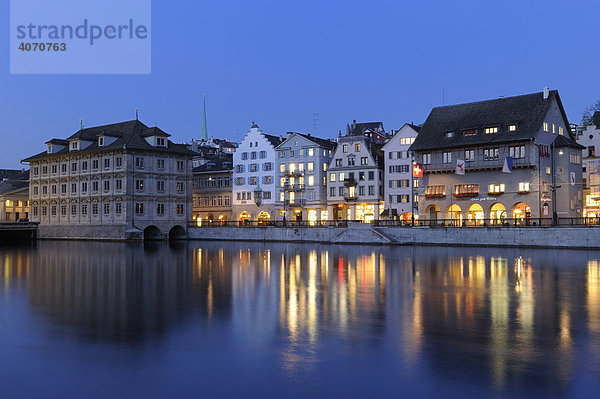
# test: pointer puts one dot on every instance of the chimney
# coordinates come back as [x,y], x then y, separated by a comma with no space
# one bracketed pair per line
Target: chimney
[354,124]
[546,92]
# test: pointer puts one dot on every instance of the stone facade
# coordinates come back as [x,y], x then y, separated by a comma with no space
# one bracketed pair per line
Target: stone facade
[111,178]
[302,164]
[212,191]
[355,177]
[589,137]
[537,140]
[254,187]
[398,186]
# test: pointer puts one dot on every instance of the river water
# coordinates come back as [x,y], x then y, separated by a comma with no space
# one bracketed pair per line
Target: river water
[208,319]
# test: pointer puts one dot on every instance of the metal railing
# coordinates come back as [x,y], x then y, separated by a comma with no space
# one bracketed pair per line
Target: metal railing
[272,223]
[432,223]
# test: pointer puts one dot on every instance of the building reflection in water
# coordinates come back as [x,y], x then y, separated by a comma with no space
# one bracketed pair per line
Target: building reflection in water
[502,317]
[123,292]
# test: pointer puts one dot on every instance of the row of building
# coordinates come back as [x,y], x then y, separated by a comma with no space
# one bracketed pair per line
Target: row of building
[496,161]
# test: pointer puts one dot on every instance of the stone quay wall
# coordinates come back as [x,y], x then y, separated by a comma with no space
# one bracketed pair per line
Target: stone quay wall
[359,233]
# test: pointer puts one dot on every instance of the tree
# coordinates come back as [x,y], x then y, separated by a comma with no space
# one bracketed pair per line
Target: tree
[588,114]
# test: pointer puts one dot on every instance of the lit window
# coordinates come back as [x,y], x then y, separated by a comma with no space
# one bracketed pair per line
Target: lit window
[561,130]
[311,180]
[309,166]
[341,176]
[292,167]
[524,187]
[311,152]
[546,127]
[357,147]
[496,188]
[282,168]
[553,128]
[282,196]
[332,177]
[493,129]
[512,128]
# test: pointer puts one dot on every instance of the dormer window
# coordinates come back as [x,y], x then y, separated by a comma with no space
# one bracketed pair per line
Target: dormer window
[470,132]
[490,130]
[160,141]
[100,141]
[512,128]
[74,145]
[49,148]
[449,134]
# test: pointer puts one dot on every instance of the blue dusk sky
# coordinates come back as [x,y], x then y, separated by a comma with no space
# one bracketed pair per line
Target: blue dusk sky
[279,62]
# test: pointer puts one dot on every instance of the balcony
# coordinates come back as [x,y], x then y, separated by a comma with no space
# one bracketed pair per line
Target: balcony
[478,164]
[295,173]
[350,198]
[294,187]
[296,202]
[350,182]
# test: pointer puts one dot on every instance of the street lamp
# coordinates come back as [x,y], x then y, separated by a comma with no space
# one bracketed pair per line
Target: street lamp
[554,186]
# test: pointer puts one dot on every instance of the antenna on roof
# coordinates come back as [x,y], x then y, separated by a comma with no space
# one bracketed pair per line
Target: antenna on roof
[136,114]
[443,96]
[81,124]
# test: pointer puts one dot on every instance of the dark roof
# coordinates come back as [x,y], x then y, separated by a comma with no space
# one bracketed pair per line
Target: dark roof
[57,141]
[358,129]
[129,135]
[526,111]
[564,141]
[154,131]
[216,164]
[415,127]
[325,143]
[274,140]
[9,186]
[14,174]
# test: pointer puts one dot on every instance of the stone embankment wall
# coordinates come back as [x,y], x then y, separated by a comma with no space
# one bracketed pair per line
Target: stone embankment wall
[548,237]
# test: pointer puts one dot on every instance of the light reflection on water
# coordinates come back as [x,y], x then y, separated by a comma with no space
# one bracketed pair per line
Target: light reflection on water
[300,320]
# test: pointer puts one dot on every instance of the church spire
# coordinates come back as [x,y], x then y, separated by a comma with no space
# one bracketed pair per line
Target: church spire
[204,135]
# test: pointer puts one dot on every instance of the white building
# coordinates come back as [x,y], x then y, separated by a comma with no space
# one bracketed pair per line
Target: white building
[355,181]
[589,137]
[109,181]
[398,186]
[254,173]
[303,162]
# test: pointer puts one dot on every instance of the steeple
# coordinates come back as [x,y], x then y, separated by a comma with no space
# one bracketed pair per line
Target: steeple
[204,135]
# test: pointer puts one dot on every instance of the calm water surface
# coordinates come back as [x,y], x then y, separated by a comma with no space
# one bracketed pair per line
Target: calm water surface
[289,321]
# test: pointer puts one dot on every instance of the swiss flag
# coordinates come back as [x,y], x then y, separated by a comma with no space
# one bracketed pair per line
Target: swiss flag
[417,170]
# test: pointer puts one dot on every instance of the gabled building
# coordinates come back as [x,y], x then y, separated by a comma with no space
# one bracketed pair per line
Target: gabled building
[463,150]
[355,176]
[110,181]
[302,163]
[212,189]
[254,173]
[589,137]
[398,186]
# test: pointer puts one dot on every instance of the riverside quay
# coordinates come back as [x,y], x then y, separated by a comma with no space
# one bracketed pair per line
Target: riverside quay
[509,161]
